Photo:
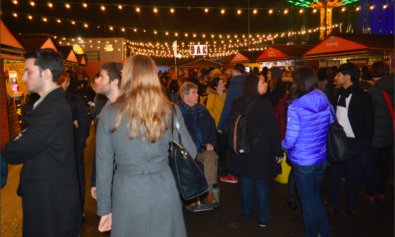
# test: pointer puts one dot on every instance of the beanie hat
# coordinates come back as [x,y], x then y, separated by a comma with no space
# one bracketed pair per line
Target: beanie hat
[276,71]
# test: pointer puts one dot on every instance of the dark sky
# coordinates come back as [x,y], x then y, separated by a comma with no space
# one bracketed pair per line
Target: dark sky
[182,21]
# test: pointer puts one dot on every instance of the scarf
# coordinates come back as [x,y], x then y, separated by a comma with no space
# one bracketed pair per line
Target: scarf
[345,93]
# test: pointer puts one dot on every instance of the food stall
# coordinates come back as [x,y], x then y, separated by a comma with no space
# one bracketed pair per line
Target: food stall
[361,49]
[284,56]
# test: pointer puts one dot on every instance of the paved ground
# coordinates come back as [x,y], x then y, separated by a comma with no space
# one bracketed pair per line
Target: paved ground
[226,220]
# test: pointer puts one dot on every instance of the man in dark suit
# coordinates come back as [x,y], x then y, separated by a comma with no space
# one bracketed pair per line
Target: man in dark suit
[354,110]
[48,181]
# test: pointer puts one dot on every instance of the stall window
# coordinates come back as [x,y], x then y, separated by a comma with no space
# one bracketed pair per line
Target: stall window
[381,19]
[380,30]
[109,48]
[387,19]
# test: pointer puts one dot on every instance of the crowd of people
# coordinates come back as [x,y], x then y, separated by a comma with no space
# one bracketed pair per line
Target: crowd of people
[132,107]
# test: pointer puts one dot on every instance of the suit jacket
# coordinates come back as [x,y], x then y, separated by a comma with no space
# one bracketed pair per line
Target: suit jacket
[48,180]
[360,114]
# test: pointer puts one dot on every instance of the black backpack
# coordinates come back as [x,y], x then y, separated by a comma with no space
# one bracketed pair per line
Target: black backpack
[173,87]
[241,140]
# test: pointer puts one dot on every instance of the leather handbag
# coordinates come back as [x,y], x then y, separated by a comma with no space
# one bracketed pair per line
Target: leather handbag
[190,180]
[338,148]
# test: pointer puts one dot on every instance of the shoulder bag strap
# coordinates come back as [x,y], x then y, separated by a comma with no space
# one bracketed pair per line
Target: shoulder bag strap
[389,104]
[333,115]
[175,124]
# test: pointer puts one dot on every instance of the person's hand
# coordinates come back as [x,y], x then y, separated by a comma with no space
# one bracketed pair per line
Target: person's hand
[105,223]
[76,123]
[219,131]
[279,159]
[93,193]
[18,136]
[210,147]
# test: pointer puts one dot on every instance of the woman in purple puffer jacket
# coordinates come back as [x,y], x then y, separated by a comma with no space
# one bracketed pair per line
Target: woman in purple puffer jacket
[308,121]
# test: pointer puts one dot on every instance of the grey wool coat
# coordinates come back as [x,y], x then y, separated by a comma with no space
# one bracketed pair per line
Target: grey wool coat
[139,189]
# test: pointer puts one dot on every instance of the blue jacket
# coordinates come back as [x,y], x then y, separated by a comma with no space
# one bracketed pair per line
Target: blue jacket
[200,125]
[307,128]
[234,91]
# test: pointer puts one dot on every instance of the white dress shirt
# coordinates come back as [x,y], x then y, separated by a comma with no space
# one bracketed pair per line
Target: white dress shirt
[342,116]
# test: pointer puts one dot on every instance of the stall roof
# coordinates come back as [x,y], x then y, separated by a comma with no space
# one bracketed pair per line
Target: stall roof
[33,42]
[68,53]
[246,56]
[284,51]
[81,59]
[343,42]
[8,39]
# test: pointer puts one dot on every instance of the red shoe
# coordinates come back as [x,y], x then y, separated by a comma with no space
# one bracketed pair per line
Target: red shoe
[368,199]
[379,197]
[229,179]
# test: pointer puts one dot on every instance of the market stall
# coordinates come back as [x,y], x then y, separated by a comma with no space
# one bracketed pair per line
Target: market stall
[13,88]
[362,49]
[247,58]
[284,56]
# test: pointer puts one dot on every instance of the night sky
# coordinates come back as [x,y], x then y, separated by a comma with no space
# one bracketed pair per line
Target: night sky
[182,21]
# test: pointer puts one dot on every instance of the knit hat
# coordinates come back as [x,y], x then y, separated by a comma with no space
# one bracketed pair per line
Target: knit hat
[276,71]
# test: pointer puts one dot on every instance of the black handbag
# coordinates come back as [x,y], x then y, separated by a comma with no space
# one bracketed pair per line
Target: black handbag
[190,180]
[338,148]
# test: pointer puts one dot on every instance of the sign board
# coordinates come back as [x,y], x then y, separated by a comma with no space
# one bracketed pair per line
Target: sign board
[329,63]
[299,62]
[359,62]
[198,50]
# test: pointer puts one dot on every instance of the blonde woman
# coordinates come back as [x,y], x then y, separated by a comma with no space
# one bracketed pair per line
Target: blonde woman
[141,198]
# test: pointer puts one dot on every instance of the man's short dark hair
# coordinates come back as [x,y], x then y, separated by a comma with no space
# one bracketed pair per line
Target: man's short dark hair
[114,71]
[255,70]
[334,68]
[379,69]
[194,74]
[239,68]
[352,70]
[48,59]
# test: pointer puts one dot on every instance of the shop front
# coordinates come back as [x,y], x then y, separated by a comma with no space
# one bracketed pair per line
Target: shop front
[360,49]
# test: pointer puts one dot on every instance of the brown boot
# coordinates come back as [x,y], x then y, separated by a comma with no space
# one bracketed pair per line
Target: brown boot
[354,216]
[332,212]
[210,200]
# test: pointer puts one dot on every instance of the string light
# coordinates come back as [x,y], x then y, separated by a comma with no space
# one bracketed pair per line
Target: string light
[315,10]
[103,8]
[73,22]
[15,2]
[32,3]
[135,30]
[86,25]
[85,5]
[343,9]
[222,11]
[30,17]
[301,11]
[14,14]
[67,5]
[167,33]
[357,9]
[255,11]
[119,6]
[270,11]
[137,9]
[123,29]
[239,12]
[155,10]
[286,11]
[155,32]
[206,10]
[44,19]
[111,28]
[50,4]
[172,10]
[384,6]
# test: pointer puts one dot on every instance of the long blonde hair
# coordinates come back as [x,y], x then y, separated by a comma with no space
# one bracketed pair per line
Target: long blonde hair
[142,98]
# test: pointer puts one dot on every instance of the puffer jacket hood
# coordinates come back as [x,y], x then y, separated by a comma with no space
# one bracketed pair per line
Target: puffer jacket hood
[386,83]
[314,102]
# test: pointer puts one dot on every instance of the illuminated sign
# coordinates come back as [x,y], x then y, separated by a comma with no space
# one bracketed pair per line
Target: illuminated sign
[198,50]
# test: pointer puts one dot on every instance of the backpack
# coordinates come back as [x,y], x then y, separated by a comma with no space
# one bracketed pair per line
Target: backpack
[240,137]
[173,87]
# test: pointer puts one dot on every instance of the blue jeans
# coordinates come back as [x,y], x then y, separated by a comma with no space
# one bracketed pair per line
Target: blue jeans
[262,205]
[308,181]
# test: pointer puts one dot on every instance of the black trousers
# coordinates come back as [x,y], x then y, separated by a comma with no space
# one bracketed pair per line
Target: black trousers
[222,142]
[380,160]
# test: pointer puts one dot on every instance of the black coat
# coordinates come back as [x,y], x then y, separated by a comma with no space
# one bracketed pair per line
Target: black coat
[261,163]
[383,134]
[48,180]
[360,114]
[275,95]
[79,113]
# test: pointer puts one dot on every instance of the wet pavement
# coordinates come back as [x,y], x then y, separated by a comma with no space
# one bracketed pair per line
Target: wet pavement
[225,220]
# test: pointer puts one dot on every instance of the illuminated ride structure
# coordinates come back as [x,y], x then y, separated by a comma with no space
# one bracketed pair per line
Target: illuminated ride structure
[325,7]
